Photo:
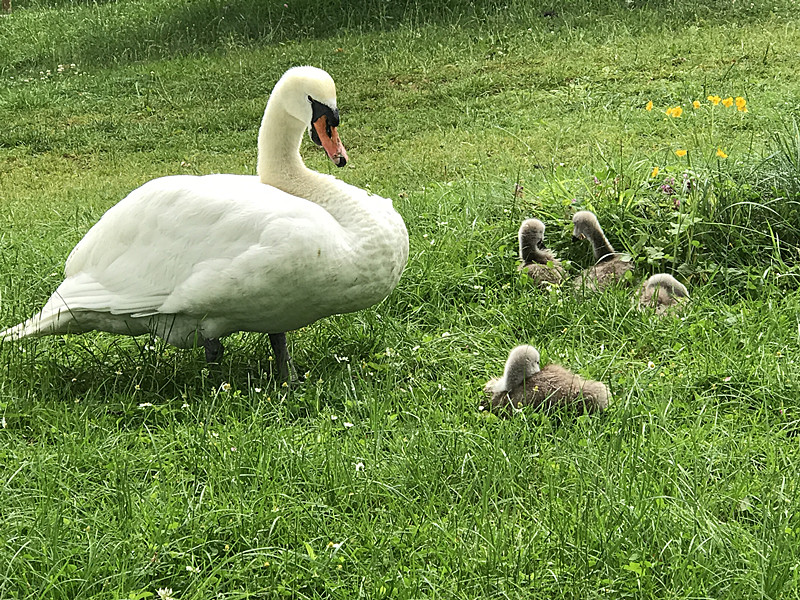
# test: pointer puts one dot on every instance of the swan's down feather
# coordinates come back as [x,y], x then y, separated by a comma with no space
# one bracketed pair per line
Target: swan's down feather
[186,257]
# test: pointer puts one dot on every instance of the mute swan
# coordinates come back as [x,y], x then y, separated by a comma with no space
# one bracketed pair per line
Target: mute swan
[537,261]
[610,266]
[194,258]
[525,383]
[664,293]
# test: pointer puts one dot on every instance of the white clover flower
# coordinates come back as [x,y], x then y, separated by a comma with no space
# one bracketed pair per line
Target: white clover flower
[165,594]
[359,466]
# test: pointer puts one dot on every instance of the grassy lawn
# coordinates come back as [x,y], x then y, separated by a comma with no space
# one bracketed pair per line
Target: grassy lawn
[128,467]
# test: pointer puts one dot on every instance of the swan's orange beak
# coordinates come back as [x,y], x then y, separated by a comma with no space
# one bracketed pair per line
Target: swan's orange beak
[332,144]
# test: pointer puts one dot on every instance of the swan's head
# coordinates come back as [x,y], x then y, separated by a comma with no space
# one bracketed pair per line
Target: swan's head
[309,94]
[523,362]
[531,234]
[585,223]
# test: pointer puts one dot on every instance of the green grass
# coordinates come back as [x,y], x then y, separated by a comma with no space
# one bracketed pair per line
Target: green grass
[128,466]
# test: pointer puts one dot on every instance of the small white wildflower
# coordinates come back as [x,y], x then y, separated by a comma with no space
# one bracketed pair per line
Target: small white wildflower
[192,569]
[415,348]
[145,404]
[446,334]
[359,466]
[233,448]
[225,387]
[347,424]
[334,417]
[651,365]
[334,545]
[3,422]
[165,594]
[185,405]
[257,390]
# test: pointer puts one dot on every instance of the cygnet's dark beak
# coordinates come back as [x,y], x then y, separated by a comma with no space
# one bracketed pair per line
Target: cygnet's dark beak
[575,238]
[540,245]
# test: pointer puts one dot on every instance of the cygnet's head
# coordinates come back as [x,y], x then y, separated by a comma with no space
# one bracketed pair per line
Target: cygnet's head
[585,222]
[531,237]
[667,283]
[523,362]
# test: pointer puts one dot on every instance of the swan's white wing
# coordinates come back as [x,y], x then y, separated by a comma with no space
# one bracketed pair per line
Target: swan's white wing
[177,242]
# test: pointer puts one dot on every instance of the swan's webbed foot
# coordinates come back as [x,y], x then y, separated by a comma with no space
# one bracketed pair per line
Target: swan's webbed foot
[214,350]
[282,358]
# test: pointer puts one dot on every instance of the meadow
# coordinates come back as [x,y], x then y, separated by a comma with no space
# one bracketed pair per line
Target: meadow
[132,470]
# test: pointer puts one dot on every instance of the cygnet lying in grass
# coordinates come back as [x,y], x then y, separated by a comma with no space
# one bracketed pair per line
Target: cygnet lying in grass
[525,383]
[663,293]
[610,267]
[537,260]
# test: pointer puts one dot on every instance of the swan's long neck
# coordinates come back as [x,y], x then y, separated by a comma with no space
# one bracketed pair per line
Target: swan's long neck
[279,145]
[602,248]
[280,165]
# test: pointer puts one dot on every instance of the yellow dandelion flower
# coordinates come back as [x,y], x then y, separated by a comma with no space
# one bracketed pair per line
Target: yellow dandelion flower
[677,111]
[714,100]
[696,103]
[649,105]
[741,108]
[721,154]
[680,152]
[740,102]
[728,102]
[654,172]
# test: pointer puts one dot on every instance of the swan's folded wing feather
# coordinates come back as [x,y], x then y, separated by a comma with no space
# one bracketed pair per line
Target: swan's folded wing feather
[177,236]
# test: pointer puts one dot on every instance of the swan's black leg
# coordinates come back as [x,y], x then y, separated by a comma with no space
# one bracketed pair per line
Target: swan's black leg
[214,350]
[282,358]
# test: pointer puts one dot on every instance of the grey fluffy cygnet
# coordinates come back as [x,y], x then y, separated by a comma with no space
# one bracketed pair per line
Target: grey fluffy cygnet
[663,293]
[542,266]
[610,267]
[525,383]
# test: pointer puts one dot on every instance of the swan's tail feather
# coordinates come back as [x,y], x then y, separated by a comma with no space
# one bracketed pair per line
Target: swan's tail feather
[44,323]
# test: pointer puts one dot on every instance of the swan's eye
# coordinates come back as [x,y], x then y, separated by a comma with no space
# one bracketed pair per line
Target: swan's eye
[319,109]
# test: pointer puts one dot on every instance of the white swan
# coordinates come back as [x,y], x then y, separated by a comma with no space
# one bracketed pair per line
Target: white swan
[192,259]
